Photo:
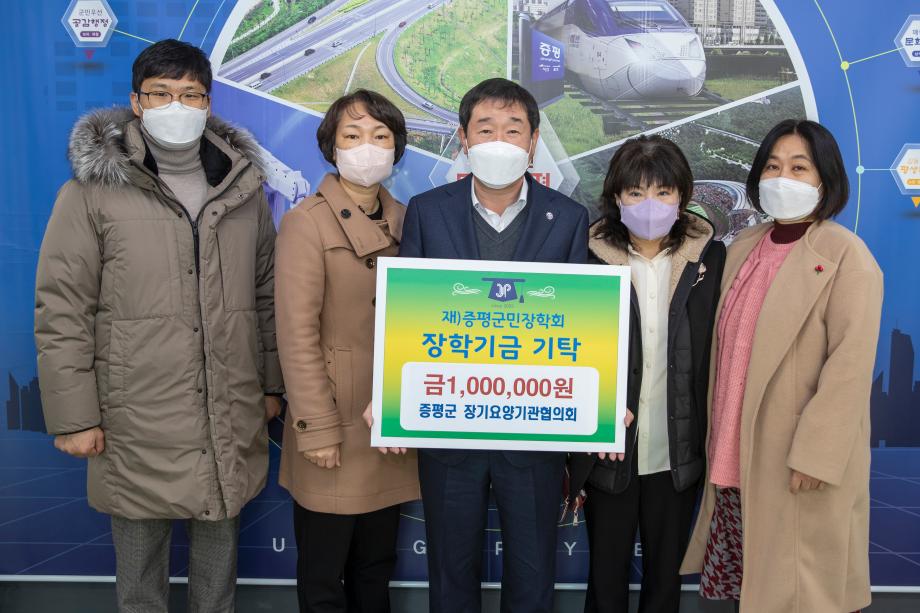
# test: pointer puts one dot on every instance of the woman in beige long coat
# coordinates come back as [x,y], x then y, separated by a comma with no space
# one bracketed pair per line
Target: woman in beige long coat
[347,495]
[784,522]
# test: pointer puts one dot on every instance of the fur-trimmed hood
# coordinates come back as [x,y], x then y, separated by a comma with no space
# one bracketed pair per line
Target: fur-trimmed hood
[696,243]
[100,154]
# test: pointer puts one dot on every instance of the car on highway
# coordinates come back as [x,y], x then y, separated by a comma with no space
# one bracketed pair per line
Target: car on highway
[337,43]
[427,105]
[265,75]
[310,51]
[311,19]
[402,24]
[255,84]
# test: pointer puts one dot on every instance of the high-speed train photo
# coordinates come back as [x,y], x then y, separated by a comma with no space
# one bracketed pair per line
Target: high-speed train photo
[628,49]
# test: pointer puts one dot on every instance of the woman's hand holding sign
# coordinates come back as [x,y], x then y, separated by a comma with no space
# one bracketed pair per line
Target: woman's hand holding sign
[618,457]
[369,420]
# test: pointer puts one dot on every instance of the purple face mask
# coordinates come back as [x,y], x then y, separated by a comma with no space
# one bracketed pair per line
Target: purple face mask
[650,219]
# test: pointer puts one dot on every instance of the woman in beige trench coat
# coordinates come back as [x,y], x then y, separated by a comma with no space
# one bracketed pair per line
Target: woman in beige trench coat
[784,522]
[346,493]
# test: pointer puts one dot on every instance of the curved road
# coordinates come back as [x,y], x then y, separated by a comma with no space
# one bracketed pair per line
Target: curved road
[430,125]
[283,56]
[276,8]
[730,221]
[735,189]
[268,46]
[386,63]
[737,137]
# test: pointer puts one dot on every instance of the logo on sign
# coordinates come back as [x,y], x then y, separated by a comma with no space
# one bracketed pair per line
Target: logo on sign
[908,40]
[504,290]
[547,58]
[90,23]
[906,169]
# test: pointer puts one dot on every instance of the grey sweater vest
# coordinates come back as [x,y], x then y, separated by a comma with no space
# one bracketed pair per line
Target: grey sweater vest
[494,245]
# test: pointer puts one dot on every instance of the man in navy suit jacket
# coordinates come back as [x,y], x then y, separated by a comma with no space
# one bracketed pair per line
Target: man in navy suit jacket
[497,213]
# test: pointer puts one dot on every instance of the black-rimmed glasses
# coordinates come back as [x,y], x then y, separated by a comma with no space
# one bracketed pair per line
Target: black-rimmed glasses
[157,99]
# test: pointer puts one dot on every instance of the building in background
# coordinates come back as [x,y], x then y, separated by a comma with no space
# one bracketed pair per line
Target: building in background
[896,413]
[901,368]
[705,20]
[744,22]
[728,22]
[536,8]
[24,406]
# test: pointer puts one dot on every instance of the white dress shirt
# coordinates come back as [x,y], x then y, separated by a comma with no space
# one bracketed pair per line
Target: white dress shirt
[652,279]
[500,222]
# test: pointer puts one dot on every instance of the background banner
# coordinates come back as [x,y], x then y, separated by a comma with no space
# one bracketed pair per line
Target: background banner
[713,75]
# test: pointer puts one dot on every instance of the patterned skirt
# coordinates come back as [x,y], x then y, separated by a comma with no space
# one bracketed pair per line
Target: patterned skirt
[722,571]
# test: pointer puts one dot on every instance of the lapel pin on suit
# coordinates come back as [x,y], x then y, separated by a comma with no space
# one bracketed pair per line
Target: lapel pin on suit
[549,216]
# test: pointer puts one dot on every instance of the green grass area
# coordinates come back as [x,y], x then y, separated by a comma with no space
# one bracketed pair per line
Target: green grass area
[434,143]
[290,14]
[754,120]
[454,47]
[704,151]
[255,16]
[353,5]
[576,126]
[317,89]
[581,130]
[735,88]
[592,170]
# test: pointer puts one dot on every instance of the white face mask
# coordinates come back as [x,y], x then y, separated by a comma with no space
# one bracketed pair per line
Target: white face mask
[366,164]
[787,199]
[175,123]
[498,164]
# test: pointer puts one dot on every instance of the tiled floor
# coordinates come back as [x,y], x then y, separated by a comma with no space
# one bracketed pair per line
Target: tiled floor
[100,598]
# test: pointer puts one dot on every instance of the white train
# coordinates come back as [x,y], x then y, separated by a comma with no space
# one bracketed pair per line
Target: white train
[628,49]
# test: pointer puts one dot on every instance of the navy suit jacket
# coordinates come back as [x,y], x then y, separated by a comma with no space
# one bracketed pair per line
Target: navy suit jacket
[439,224]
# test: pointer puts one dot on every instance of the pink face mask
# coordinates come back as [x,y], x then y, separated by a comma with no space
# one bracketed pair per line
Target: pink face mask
[650,219]
[365,164]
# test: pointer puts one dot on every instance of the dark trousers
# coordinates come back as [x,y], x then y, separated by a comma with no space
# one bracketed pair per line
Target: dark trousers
[663,517]
[344,562]
[456,497]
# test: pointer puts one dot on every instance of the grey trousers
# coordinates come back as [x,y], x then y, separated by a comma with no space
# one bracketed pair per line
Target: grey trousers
[142,564]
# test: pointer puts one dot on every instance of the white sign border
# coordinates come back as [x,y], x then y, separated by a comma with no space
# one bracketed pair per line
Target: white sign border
[384,264]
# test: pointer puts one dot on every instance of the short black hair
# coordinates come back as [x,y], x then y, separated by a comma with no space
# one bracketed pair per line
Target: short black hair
[825,154]
[645,160]
[172,59]
[508,92]
[378,107]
